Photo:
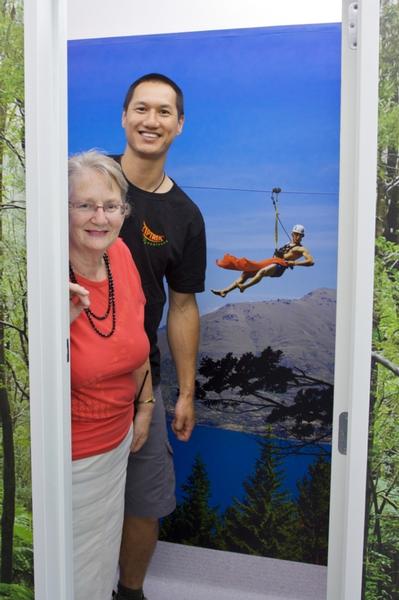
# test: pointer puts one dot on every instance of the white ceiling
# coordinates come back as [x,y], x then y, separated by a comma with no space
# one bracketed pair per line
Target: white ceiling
[109,18]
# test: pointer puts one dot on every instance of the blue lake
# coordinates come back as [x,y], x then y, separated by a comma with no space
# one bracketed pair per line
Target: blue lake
[230,458]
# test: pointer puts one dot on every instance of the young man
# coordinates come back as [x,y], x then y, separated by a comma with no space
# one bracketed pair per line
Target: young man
[291,255]
[166,236]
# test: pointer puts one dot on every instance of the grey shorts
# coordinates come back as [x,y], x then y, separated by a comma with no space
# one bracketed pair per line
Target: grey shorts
[150,481]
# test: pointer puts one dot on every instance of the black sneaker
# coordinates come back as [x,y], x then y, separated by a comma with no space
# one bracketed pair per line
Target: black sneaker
[116,596]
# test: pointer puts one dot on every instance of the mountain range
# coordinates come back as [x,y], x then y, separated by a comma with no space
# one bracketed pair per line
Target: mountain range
[302,328]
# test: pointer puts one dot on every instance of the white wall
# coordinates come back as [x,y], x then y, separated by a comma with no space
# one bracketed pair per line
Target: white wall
[107,18]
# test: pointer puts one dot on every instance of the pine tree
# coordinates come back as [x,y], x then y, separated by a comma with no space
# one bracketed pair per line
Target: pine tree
[194,522]
[313,512]
[264,522]
[388,124]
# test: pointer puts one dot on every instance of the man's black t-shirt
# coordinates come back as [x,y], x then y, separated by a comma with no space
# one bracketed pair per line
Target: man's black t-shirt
[166,236]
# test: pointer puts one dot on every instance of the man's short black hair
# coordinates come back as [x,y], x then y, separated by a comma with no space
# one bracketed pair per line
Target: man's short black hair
[162,79]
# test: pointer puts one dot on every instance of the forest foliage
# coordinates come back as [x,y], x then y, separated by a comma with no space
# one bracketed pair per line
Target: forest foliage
[381,555]
[382,510]
[16,547]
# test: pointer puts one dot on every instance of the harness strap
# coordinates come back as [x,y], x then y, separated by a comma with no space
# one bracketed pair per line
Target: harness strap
[275,193]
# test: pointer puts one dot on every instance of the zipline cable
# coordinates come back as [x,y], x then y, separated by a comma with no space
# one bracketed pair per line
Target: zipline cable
[255,191]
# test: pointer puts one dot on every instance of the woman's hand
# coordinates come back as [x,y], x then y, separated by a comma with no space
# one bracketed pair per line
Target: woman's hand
[141,425]
[78,300]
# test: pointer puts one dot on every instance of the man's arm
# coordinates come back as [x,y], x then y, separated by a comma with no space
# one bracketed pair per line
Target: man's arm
[307,262]
[183,338]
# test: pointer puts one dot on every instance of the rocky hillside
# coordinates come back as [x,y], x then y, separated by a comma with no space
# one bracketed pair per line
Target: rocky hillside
[303,328]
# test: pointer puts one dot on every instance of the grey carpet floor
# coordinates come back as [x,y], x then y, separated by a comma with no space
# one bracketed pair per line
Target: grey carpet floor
[185,573]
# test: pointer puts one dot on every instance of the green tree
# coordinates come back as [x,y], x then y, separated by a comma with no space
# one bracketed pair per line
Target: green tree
[381,572]
[388,138]
[193,522]
[13,339]
[313,505]
[263,523]
[298,405]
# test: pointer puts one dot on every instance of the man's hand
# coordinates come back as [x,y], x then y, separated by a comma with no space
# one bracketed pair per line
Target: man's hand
[141,426]
[183,337]
[78,300]
[184,419]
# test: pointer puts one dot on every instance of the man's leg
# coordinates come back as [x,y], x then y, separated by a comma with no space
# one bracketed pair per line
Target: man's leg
[265,272]
[139,539]
[236,284]
[150,495]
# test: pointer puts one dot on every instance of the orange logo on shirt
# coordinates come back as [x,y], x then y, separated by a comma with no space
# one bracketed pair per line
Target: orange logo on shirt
[151,238]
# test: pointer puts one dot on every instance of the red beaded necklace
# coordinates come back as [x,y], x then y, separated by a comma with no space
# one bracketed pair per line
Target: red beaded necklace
[111,302]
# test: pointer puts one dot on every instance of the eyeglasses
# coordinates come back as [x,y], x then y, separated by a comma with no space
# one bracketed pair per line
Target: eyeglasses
[91,208]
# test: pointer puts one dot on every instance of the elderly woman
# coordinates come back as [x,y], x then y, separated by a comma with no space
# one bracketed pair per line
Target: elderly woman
[109,368]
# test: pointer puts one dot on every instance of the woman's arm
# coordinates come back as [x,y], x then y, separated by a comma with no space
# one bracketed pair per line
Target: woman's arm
[143,407]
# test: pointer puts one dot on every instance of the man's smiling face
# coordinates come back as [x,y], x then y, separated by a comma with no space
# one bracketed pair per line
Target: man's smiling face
[151,121]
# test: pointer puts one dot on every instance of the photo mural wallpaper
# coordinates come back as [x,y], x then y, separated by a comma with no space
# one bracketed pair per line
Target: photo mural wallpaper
[260,156]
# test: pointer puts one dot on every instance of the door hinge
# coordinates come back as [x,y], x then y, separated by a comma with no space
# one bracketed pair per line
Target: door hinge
[353,11]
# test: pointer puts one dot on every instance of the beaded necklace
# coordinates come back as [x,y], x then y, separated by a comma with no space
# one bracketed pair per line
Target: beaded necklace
[111,302]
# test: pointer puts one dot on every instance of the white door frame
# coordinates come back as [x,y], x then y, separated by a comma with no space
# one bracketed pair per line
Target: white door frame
[358,176]
[46,188]
[48,309]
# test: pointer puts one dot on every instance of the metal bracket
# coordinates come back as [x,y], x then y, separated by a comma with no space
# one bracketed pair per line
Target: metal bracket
[343,433]
[353,11]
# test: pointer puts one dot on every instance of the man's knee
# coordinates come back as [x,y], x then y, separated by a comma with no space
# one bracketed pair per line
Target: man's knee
[139,535]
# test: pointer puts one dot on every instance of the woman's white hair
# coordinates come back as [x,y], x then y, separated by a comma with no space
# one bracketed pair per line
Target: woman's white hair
[97,161]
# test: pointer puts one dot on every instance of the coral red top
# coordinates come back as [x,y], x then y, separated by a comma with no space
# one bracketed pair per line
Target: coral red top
[102,381]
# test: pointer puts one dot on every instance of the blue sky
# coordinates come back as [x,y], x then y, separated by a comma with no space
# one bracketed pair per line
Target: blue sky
[262,110]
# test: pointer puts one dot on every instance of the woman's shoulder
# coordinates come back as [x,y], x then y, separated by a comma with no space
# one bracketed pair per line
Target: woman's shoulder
[121,256]
[119,249]
[121,253]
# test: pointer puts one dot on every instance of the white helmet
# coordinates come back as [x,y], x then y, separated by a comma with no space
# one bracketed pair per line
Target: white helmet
[298,229]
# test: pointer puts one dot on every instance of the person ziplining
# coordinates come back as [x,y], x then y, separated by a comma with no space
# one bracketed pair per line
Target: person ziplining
[288,256]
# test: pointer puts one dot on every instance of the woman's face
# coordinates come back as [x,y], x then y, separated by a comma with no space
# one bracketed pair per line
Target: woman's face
[91,228]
